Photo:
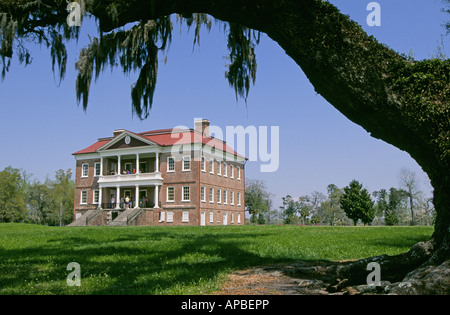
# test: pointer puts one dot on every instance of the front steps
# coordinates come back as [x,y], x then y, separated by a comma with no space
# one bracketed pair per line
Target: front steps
[99,217]
[126,217]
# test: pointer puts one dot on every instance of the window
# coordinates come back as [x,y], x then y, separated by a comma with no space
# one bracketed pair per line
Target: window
[185,216]
[128,168]
[211,217]
[224,197]
[97,169]
[169,216]
[231,171]
[202,194]
[96,197]
[203,167]
[219,196]
[211,195]
[238,198]
[238,171]
[218,168]
[171,164]
[239,218]
[84,170]
[186,193]
[186,163]
[83,200]
[162,216]
[232,217]
[224,169]
[170,194]
[231,197]
[211,166]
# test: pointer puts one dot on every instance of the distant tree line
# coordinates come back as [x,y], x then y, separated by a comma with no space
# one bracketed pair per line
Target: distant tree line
[23,199]
[350,205]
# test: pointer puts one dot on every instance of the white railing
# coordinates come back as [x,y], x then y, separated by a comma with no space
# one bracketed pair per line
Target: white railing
[124,178]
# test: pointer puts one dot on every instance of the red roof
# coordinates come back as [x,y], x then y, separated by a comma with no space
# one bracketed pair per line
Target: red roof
[168,137]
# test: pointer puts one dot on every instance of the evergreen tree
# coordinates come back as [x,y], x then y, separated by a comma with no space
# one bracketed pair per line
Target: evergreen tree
[357,204]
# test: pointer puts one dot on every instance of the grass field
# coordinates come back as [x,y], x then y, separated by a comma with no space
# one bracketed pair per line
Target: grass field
[174,260]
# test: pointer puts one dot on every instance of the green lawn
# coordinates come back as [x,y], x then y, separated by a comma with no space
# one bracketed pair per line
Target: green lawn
[174,260]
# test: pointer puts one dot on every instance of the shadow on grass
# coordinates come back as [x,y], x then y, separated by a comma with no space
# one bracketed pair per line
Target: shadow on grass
[141,260]
[146,263]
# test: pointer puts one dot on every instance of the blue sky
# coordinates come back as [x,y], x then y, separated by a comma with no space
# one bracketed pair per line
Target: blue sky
[42,124]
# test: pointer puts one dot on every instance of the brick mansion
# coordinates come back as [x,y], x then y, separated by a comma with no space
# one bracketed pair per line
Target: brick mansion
[160,177]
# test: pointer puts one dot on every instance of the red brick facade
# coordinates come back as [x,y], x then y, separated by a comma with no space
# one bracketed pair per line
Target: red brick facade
[165,187]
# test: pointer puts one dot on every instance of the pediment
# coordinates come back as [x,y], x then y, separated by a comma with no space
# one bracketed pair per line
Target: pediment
[126,140]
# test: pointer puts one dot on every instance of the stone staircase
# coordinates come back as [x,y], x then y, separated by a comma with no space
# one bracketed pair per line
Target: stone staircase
[86,218]
[126,217]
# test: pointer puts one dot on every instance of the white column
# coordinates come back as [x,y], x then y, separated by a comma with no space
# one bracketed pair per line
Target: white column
[117,197]
[157,163]
[156,197]
[101,166]
[118,165]
[100,198]
[137,163]
[136,197]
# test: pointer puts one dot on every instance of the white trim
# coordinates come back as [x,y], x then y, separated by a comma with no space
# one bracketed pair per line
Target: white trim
[81,197]
[219,196]
[185,158]
[167,194]
[203,164]
[182,194]
[169,170]
[122,136]
[203,191]
[93,197]
[169,216]
[82,170]
[185,216]
[211,194]
[95,169]
[211,166]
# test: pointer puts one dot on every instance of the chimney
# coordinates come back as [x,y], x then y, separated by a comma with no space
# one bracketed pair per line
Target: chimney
[118,132]
[202,126]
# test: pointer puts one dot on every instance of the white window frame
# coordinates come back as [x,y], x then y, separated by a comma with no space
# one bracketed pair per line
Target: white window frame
[211,166]
[83,192]
[238,198]
[183,194]
[169,216]
[211,195]
[239,218]
[95,200]
[203,194]
[162,216]
[219,168]
[219,195]
[186,159]
[203,164]
[231,171]
[170,158]
[99,169]
[238,170]
[211,217]
[83,175]
[232,217]
[232,198]
[185,217]
[173,194]
[225,197]
[224,169]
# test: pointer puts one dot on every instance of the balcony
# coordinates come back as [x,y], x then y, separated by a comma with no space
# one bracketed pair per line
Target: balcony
[130,179]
